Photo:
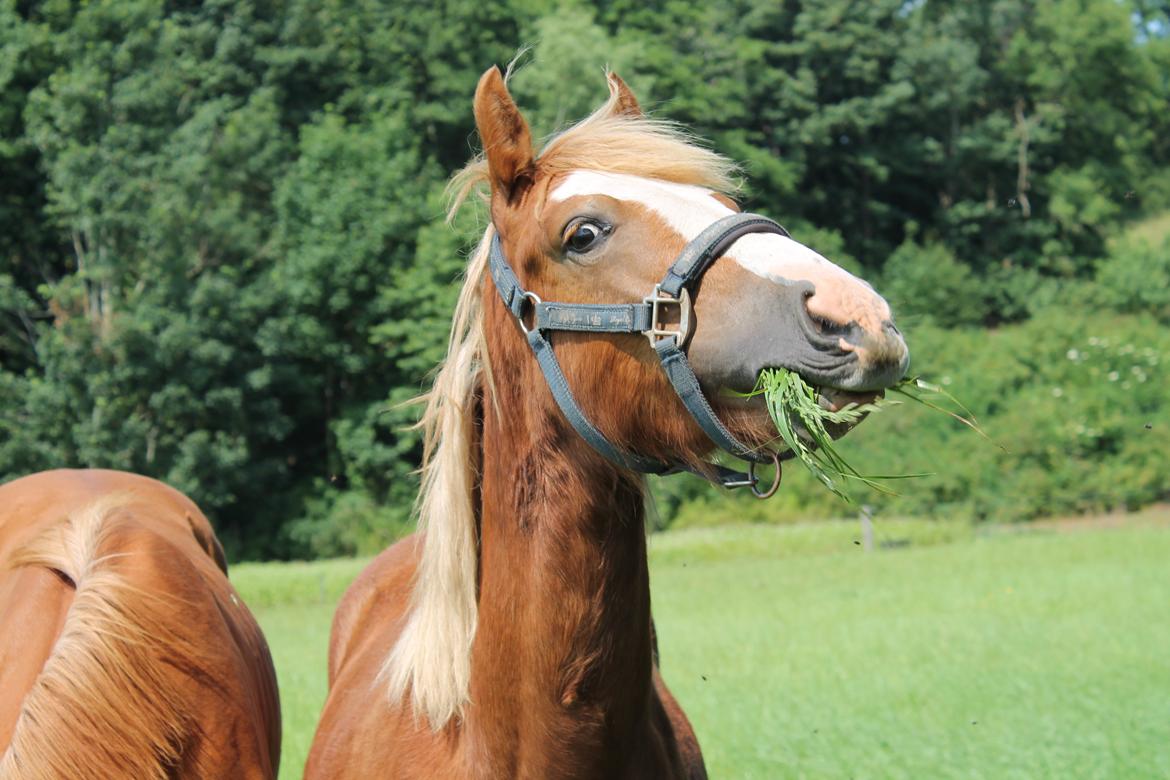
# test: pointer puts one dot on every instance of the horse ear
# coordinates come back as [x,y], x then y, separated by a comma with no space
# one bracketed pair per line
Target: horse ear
[507,141]
[622,99]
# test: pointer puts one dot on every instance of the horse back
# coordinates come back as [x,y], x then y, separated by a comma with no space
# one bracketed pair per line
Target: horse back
[133,654]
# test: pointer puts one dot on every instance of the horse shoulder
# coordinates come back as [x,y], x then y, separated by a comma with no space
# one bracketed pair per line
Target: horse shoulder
[352,735]
[374,603]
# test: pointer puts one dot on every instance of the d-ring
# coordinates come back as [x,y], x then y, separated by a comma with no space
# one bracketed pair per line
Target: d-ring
[775,482]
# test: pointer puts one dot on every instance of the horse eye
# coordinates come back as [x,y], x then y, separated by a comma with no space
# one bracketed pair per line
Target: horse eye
[583,236]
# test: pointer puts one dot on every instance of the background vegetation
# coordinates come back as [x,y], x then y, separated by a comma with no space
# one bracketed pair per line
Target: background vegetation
[222,259]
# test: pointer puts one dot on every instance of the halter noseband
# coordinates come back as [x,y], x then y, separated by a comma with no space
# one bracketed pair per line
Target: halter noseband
[676,289]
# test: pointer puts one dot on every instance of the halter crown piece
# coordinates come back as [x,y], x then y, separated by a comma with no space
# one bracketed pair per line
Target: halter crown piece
[677,288]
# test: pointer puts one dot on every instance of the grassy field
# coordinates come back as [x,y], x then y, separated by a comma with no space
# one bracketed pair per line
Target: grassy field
[796,654]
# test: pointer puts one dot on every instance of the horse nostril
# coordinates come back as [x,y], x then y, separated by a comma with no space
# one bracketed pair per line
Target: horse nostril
[827,327]
[823,324]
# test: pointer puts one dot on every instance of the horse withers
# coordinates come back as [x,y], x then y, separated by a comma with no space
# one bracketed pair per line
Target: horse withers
[512,637]
[124,650]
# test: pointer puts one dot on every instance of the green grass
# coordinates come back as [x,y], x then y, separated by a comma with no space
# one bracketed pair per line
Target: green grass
[797,654]
[294,603]
[1012,656]
[795,408]
[803,419]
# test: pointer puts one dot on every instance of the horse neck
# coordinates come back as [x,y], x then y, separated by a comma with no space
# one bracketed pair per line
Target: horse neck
[561,670]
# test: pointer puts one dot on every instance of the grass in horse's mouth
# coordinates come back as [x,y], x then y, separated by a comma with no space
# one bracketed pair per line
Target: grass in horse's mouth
[804,415]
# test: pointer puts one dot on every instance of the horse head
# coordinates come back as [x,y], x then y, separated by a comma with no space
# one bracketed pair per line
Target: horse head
[598,218]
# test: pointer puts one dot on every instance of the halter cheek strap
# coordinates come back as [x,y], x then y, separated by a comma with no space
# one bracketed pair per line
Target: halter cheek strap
[675,290]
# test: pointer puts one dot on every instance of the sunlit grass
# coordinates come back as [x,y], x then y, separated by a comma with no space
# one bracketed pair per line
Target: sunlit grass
[796,654]
[1007,656]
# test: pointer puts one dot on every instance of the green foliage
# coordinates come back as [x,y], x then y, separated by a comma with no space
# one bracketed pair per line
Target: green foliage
[1074,404]
[928,284]
[1136,277]
[350,522]
[1073,407]
[223,262]
[562,86]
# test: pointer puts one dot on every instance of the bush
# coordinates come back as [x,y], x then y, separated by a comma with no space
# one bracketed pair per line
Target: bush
[343,523]
[927,283]
[1076,409]
[1136,277]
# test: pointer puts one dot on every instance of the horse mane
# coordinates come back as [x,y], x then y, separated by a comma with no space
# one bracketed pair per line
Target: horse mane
[102,702]
[432,658]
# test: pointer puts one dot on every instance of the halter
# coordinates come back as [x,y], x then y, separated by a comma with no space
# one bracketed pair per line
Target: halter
[677,289]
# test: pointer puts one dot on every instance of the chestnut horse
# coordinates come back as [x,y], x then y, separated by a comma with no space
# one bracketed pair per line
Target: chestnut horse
[124,651]
[512,636]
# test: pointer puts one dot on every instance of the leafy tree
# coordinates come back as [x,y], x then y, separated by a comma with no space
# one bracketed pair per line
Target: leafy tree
[223,261]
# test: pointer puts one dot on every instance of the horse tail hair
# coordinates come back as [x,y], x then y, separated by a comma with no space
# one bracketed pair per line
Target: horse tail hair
[103,702]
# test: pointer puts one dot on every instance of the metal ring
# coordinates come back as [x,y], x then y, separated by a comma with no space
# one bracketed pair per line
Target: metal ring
[775,482]
[531,296]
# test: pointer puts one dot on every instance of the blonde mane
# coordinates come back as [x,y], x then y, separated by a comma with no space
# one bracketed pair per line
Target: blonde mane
[432,659]
[102,702]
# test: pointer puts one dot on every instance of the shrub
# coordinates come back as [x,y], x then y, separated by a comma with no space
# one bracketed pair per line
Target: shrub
[1076,408]
[927,283]
[1136,276]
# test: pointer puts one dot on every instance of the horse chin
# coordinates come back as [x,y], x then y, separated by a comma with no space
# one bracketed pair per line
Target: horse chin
[835,400]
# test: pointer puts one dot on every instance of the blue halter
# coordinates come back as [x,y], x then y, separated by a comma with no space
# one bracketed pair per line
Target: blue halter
[675,289]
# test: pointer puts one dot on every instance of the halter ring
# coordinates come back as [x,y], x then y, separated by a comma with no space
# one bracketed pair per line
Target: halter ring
[535,300]
[775,482]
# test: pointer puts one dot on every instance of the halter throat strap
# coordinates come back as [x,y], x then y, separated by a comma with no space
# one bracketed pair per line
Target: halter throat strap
[676,289]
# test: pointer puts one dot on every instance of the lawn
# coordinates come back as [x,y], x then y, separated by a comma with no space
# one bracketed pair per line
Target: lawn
[797,654]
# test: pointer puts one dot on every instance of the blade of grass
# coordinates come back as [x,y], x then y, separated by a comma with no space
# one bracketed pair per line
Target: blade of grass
[792,402]
[908,388]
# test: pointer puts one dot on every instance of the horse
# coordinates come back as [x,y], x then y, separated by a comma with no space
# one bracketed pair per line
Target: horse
[512,635]
[124,650]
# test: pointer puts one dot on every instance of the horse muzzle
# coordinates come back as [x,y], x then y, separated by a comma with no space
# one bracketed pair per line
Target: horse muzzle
[771,324]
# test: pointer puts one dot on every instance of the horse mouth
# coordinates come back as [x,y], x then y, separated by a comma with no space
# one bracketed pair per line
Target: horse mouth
[831,399]
[835,400]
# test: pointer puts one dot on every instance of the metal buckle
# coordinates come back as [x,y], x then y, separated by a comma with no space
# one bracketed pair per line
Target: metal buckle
[683,302]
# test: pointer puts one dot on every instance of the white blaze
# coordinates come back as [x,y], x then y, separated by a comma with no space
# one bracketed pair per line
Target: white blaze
[689,210]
